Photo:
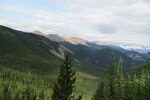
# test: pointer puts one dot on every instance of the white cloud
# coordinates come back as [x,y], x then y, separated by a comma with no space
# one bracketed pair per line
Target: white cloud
[43,26]
[91,19]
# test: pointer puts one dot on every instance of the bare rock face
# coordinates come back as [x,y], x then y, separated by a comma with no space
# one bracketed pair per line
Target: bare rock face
[75,40]
[55,37]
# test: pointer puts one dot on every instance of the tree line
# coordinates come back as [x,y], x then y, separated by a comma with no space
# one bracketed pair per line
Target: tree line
[117,87]
[15,85]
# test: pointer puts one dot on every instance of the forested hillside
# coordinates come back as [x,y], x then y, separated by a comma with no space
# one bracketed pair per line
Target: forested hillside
[134,85]
[100,54]
[27,51]
[33,67]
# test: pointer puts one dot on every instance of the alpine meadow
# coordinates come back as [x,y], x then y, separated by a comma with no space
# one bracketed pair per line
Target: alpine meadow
[74,50]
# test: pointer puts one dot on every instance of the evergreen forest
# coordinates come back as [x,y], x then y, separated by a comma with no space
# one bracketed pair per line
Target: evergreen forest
[32,67]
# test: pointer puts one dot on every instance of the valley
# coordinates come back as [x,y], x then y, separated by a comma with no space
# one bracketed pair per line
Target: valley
[33,60]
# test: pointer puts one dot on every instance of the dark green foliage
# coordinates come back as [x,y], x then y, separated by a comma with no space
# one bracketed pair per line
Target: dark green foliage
[130,88]
[24,51]
[138,69]
[15,85]
[127,88]
[79,98]
[21,52]
[110,78]
[119,81]
[100,92]
[65,83]
[147,88]
[99,55]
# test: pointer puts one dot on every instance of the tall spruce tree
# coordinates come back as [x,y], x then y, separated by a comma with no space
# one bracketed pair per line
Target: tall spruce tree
[110,78]
[139,91]
[127,88]
[133,87]
[147,88]
[65,83]
[100,92]
[119,80]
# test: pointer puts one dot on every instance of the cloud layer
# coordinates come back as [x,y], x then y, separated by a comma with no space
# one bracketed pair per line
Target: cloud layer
[106,20]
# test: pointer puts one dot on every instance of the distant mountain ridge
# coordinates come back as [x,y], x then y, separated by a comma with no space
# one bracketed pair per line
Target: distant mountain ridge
[27,51]
[38,33]
[129,47]
[136,55]
[94,44]
[76,40]
[92,51]
[135,47]
[55,37]
[49,50]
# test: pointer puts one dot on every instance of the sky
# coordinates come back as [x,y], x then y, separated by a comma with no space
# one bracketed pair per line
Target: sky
[117,21]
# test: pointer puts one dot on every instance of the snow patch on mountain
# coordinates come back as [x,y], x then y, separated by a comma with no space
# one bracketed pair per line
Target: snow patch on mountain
[136,57]
[136,47]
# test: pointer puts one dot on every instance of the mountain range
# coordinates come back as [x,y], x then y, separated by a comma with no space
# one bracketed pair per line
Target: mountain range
[134,47]
[26,57]
[97,52]
[26,51]
[43,53]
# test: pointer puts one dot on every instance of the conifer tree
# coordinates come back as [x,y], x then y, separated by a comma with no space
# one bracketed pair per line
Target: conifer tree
[147,88]
[6,93]
[79,98]
[139,91]
[127,88]
[119,81]
[100,93]
[110,78]
[65,83]
[133,87]
[142,76]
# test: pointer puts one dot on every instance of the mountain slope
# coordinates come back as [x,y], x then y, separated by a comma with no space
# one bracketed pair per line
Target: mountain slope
[138,70]
[101,56]
[27,51]
[55,37]
[137,56]
[38,53]
[79,41]
[135,47]
[30,56]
